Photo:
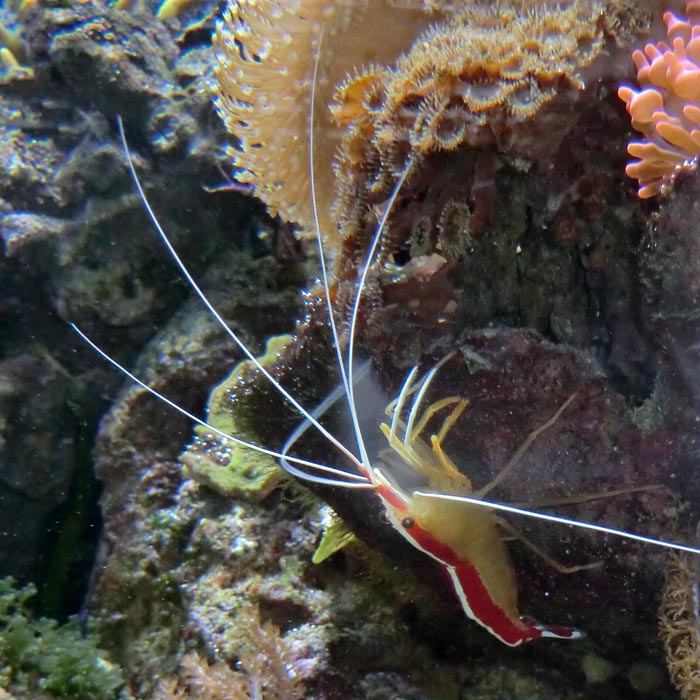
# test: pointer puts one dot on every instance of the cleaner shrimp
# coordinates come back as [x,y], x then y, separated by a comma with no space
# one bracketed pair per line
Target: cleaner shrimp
[444,516]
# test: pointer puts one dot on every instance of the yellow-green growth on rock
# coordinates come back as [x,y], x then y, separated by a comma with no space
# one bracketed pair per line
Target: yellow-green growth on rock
[13,43]
[222,465]
[125,4]
[336,535]
[172,8]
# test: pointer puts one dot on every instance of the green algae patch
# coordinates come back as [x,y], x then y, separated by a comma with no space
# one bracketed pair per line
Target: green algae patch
[38,653]
[221,464]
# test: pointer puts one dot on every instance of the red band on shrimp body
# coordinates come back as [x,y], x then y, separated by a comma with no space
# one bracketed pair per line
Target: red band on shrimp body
[392,500]
[474,597]
[472,592]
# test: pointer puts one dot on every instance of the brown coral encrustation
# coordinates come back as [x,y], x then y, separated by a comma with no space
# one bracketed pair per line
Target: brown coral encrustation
[425,76]
[679,625]
[484,63]
[478,77]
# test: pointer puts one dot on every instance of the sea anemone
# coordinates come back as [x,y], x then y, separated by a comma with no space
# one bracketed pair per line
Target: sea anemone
[666,110]
[678,625]
[265,56]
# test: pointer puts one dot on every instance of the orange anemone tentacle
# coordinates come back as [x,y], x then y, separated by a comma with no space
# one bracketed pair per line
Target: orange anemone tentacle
[664,110]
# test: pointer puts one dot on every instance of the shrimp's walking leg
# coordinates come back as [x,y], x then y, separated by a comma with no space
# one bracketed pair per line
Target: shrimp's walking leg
[524,447]
[405,446]
[589,497]
[557,565]
[572,500]
[446,463]
[459,406]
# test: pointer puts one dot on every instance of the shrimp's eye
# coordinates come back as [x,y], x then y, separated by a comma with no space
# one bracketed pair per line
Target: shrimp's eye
[408,523]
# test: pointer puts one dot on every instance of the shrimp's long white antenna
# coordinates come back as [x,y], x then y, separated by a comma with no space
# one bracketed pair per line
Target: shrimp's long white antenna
[210,307]
[317,227]
[559,520]
[317,412]
[416,405]
[362,481]
[356,305]
[397,409]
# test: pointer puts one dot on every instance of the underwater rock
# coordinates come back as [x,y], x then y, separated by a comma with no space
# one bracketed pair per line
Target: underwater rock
[147,520]
[538,234]
[523,259]
[40,450]
[184,561]
[671,272]
[67,201]
[76,246]
[94,39]
[514,380]
[18,227]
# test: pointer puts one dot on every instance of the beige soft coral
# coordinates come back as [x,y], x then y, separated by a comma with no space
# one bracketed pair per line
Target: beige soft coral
[266,53]
[267,663]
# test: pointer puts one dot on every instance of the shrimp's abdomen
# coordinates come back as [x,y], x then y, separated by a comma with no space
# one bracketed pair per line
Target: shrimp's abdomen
[465,539]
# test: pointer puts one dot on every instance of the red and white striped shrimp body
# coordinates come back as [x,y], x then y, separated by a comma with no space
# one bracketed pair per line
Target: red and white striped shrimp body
[463,538]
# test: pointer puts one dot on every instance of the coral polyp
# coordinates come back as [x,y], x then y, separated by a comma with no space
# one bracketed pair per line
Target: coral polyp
[474,75]
[666,110]
[679,625]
